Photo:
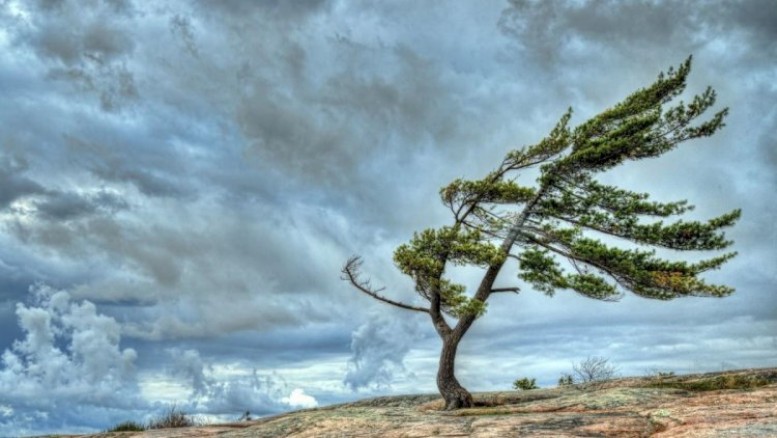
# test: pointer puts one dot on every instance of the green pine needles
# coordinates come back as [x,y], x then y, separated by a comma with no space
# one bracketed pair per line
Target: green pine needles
[568,201]
[553,230]
[556,217]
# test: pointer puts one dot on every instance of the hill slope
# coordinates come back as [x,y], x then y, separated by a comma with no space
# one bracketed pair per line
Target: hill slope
[730,404]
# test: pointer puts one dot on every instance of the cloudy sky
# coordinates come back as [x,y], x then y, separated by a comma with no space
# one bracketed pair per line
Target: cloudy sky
[182,181]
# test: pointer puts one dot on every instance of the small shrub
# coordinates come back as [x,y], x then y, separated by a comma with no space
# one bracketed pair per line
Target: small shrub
[660,378]
[172,419]
[525,384]
[127,426]
[566,380]
[593,370]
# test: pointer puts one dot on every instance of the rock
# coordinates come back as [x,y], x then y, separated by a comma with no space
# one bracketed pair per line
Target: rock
[730,404]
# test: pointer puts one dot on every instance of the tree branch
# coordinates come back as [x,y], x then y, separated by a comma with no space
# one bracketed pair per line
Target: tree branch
[505,289]
[487,283]
[619,279]
[351,274]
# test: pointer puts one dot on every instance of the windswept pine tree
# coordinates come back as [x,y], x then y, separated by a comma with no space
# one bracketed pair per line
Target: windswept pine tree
[552,231]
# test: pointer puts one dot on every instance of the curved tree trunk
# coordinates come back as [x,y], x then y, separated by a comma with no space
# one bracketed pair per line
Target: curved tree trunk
[455,395]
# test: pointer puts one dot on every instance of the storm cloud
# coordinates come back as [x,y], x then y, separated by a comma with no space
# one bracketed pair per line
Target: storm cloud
[188,178]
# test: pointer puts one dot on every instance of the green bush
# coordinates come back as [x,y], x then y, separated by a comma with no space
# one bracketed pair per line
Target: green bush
[525,384]
[566,380]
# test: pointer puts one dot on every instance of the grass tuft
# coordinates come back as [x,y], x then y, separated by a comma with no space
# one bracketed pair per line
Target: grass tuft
[127,426]
[712,383]
[172,419]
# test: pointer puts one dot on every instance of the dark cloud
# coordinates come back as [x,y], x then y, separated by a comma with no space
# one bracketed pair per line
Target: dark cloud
[148,182]
[86,47]
[66,206]
[278,10]
[554,30]
[181,27]
[320,128]
[754,18]
[50,204]
[13,186]
[124,161]
[95,41]
[199,171]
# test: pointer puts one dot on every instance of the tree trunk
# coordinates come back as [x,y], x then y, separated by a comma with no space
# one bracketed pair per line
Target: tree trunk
[455,395]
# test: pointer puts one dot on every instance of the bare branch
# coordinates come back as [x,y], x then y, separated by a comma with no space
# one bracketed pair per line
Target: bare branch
[505,289]
[351,274]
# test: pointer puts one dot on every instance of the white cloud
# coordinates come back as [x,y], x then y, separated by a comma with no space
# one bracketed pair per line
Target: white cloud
[378,349]
[298,399]
[70,356]
[232,390]
[68,349]
[6,410]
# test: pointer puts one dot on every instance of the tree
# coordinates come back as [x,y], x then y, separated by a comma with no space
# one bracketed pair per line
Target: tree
[525,384]
[562,218]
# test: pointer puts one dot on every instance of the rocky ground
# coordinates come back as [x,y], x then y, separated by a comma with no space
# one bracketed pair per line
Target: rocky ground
[730,404]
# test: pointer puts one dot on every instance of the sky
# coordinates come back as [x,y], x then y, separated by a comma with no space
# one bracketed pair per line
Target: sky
[182,181]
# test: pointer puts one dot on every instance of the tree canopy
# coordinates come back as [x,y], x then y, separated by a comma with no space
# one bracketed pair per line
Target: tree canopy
[564,231]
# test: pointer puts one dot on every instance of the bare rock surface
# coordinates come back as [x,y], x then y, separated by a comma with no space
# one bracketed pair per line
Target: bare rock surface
[729,404]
